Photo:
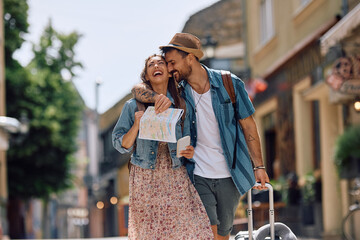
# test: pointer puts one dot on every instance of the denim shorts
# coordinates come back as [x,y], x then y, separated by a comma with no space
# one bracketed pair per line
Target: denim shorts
[220,198]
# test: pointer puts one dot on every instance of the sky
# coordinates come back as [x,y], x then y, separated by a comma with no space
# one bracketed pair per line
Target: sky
[117,37]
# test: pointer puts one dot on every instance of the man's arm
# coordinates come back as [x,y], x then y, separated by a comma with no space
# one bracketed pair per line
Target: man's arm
[143,94]
[252,138]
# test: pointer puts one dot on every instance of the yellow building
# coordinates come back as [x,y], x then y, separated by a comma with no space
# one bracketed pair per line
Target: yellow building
[292,45]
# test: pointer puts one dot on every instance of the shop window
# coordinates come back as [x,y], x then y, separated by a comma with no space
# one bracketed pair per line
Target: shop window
[266,21]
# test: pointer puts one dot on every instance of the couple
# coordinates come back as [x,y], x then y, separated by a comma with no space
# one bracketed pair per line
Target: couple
[163,202]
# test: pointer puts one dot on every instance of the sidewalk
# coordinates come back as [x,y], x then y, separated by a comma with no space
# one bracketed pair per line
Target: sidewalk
[232,237]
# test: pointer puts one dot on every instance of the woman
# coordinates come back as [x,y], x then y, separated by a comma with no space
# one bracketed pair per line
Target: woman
[163,202]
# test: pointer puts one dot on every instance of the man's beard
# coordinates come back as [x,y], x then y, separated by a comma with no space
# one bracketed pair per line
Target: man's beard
[179,76]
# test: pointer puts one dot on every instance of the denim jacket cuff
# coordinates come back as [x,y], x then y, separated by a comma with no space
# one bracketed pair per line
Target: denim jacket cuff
[121,149]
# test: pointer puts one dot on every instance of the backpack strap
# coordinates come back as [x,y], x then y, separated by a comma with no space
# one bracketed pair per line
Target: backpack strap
[229,86]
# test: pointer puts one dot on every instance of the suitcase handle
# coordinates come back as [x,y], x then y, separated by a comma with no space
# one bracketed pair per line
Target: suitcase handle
[271,211]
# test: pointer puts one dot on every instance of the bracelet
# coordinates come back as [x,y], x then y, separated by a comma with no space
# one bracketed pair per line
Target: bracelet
[259,167]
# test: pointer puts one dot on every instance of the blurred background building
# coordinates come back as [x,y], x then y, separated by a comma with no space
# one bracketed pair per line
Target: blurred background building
[298,118]
[284,51]
[114,174]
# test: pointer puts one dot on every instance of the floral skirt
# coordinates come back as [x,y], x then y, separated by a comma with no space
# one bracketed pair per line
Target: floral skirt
[164,204]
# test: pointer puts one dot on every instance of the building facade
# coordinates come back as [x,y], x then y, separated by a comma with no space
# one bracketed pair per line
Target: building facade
[292,46]
[297,119]
[114,176]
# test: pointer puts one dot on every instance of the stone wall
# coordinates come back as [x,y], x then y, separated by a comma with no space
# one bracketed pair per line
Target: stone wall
[222,20]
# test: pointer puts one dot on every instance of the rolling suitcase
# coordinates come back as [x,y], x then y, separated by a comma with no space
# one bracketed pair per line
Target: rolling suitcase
[272,230]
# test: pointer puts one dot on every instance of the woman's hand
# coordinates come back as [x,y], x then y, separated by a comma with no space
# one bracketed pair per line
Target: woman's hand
[188,153]
[138,116]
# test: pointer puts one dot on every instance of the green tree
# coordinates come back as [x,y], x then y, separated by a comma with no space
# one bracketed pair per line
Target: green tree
[15,28]
[40,164]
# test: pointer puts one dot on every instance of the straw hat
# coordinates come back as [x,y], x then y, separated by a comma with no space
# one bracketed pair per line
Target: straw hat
[186,42]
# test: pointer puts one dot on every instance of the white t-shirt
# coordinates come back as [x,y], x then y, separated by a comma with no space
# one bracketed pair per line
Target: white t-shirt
[209,158]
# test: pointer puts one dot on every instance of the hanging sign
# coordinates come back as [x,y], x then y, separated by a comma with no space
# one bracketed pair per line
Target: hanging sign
[344,76]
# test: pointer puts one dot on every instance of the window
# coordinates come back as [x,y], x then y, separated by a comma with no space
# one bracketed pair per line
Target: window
[266,21]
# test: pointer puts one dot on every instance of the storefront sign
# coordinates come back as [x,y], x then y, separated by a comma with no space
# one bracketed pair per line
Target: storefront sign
[344,77]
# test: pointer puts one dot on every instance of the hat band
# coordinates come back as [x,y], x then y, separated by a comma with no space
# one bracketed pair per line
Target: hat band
[175,45]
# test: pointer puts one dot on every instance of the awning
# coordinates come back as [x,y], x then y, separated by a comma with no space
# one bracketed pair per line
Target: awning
[341,30]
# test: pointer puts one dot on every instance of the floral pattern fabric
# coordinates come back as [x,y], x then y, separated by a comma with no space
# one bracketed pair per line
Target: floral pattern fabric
[164,204]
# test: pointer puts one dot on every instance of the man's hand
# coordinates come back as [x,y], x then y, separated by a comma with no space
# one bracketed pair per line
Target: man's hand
[261,177]
[188,153]
[162,103]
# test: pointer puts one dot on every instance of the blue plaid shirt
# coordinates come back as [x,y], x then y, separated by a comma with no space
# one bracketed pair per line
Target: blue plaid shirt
[242,174]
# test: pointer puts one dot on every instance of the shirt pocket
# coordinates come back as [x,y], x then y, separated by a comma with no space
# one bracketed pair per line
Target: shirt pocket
[227,111]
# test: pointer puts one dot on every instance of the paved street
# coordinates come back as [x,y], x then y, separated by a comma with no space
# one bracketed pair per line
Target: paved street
[125,238]
[231,238]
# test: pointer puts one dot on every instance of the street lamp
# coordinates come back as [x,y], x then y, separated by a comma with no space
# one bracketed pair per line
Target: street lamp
[100,205]
[114,200]
[98,82]
[357,104]
[13,125]
[209,44]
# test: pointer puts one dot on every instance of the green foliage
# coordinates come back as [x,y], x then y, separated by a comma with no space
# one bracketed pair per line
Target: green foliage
[56,52]
[282,186]
[15,27]
[41,163]
[307,184]
[347,145]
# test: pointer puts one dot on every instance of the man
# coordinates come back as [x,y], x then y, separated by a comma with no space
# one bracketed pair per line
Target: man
[219,181]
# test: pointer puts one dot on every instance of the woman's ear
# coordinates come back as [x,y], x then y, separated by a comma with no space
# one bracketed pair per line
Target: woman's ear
[146,77]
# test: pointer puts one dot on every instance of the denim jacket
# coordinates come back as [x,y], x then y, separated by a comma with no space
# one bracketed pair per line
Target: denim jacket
[242,174]
[145,153]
